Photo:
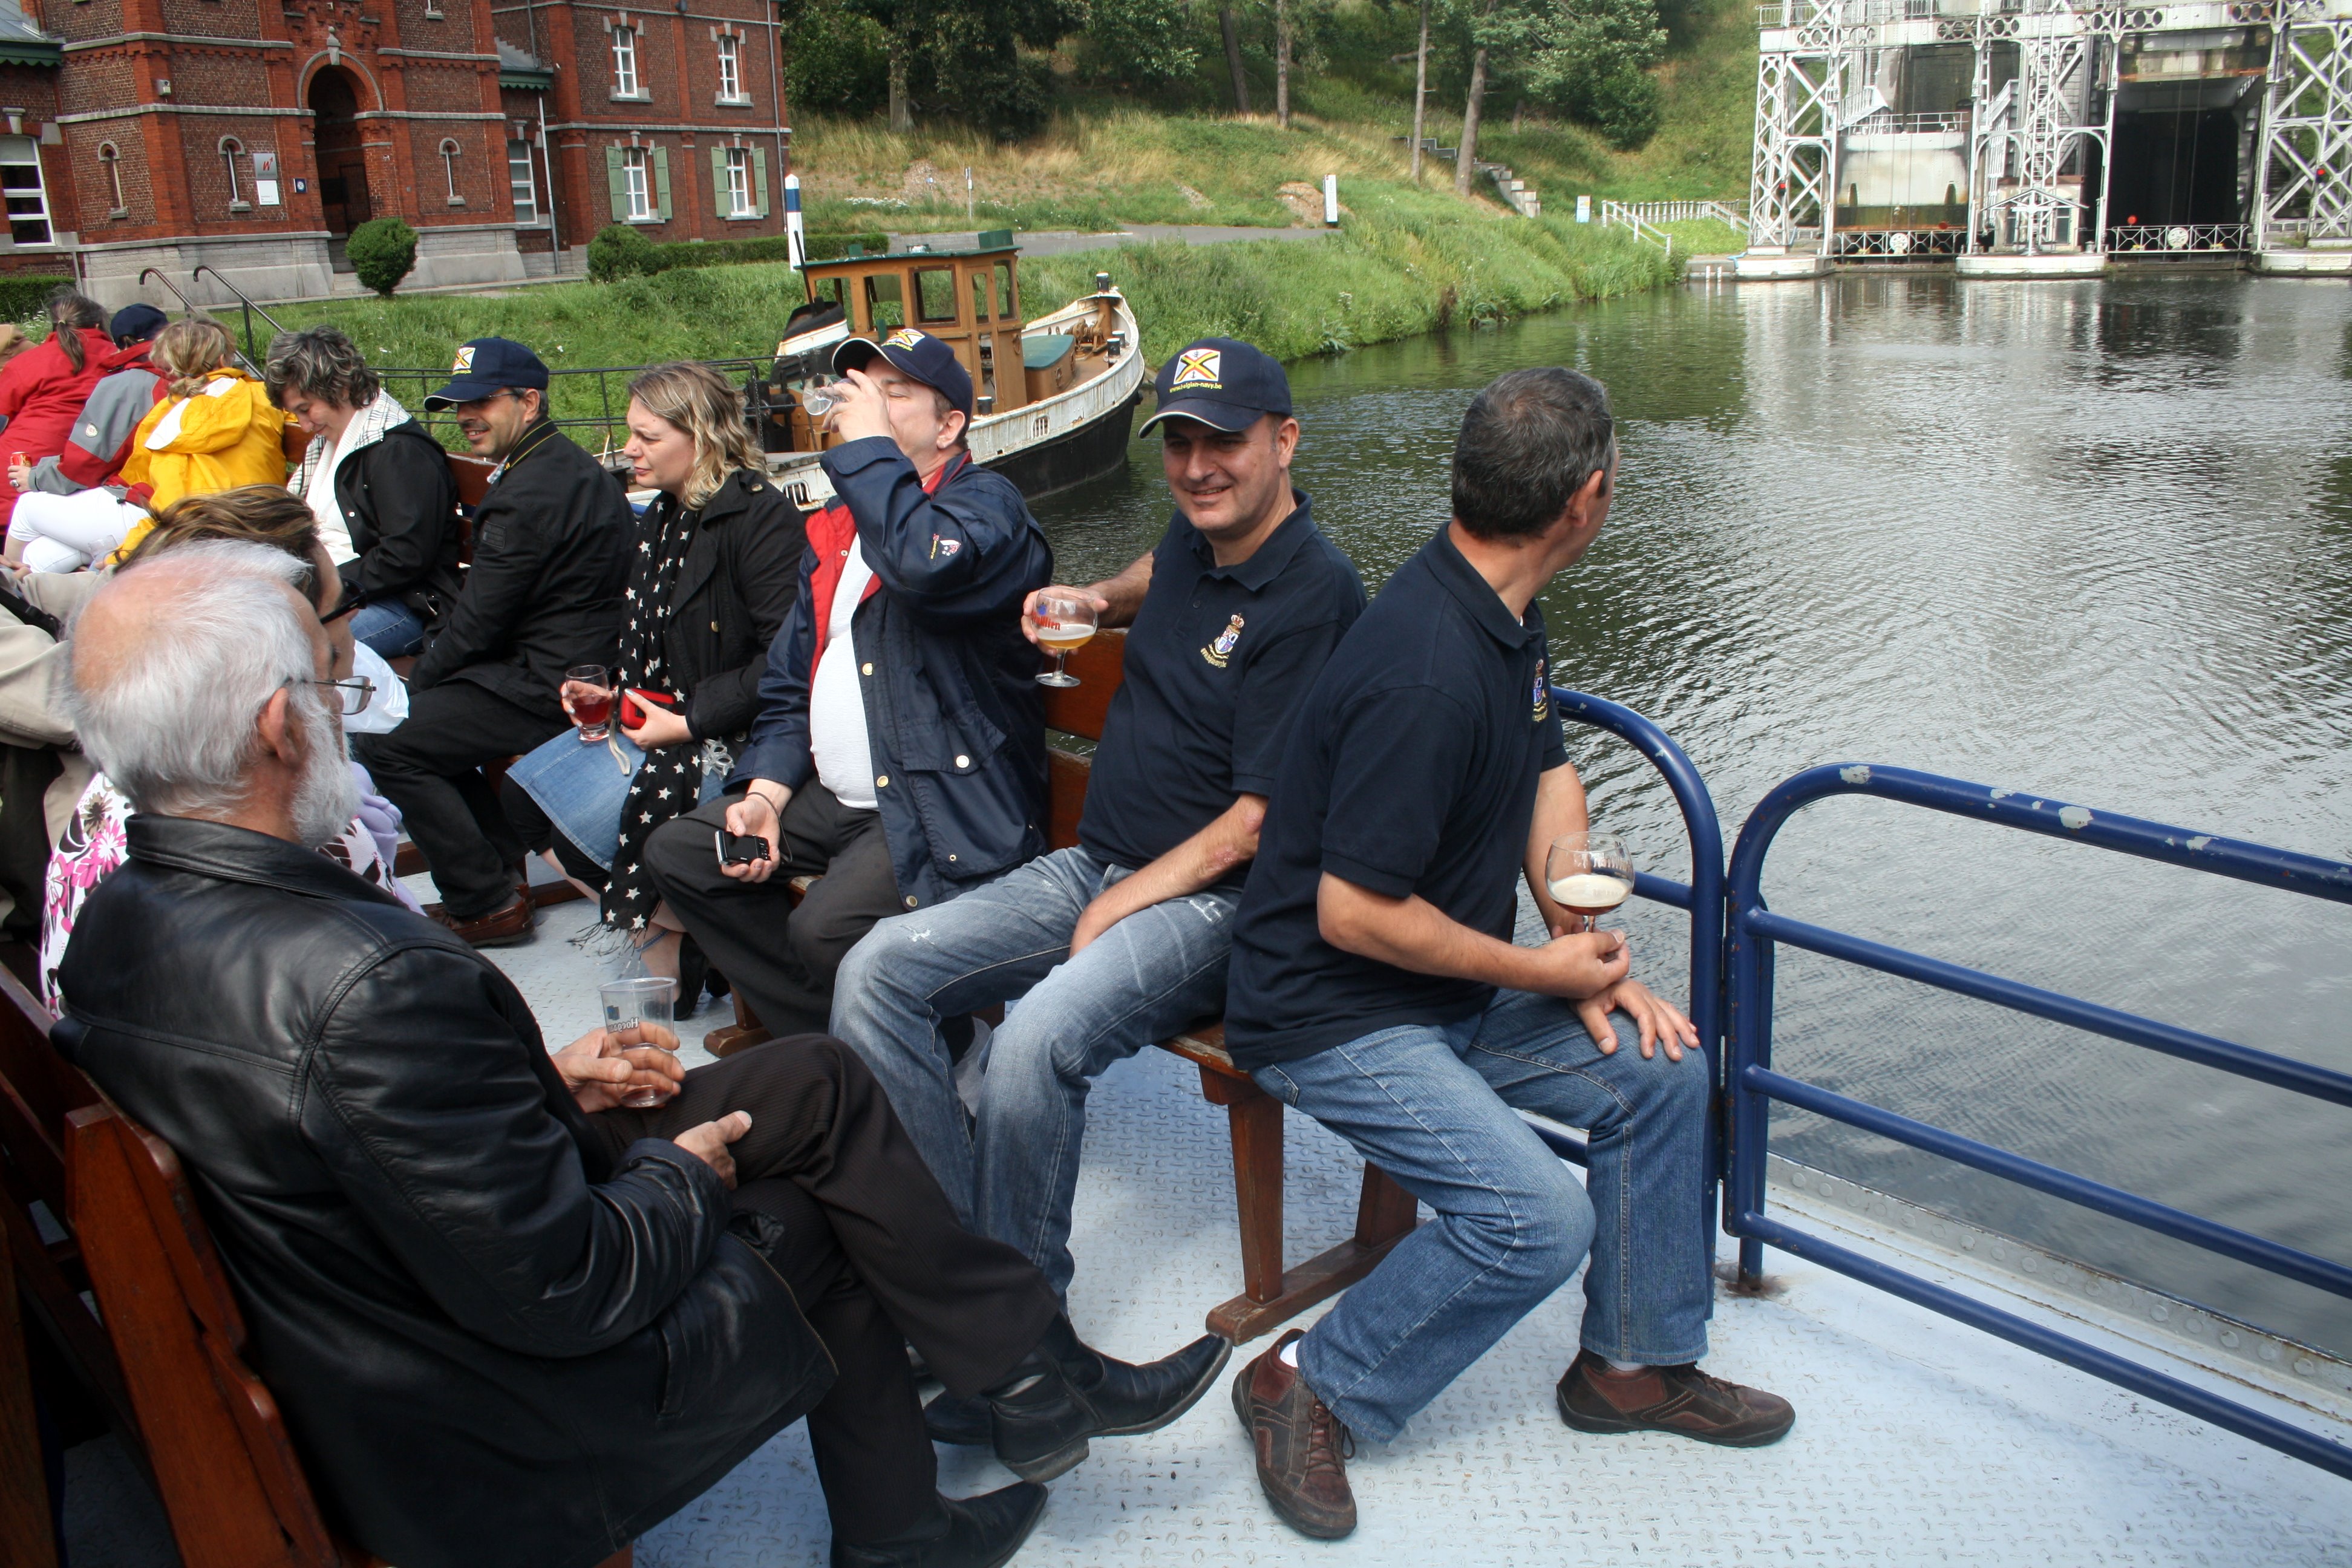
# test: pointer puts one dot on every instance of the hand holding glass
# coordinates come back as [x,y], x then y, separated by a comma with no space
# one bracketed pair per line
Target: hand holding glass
[1065,622]
[819,402]
[587,694]
[640,1012]
[1589,874]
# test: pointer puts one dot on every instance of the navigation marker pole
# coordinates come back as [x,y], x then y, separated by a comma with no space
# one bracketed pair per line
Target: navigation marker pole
[797,233]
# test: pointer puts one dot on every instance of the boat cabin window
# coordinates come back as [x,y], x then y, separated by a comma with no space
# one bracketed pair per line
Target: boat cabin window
[828,289]
[935,298]
[1008,302]
[884,305]
[980,296]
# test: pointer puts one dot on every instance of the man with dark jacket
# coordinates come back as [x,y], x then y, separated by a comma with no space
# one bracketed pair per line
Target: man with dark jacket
[507,1321]
[550,553]
[379,485]
[900,749]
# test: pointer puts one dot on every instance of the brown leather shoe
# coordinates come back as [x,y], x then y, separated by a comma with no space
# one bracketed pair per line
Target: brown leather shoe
[1595,1397]
[1302,1448]
[509,923]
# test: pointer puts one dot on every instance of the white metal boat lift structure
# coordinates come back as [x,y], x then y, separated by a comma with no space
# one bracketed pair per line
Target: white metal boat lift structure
[2038,138]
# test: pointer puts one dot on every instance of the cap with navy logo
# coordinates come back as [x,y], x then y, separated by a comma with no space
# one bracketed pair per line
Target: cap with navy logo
[1221,381]
[486,366]
[919,356]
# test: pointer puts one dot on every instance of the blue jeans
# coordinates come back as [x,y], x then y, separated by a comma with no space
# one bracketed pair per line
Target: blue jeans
[1013,1175]
[388,626]
[1433,1106]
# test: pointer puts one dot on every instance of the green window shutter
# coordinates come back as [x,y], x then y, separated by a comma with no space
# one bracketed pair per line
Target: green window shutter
[719,181]
[760,180]
[661,182]
[618,183]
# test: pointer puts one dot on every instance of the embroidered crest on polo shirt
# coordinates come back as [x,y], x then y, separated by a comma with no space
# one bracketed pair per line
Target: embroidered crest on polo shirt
[1217,652]
[464,362]
[904,338]
[1201,368]
[1541,695]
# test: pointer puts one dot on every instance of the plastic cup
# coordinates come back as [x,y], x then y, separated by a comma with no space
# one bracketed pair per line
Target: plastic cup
[640,1012]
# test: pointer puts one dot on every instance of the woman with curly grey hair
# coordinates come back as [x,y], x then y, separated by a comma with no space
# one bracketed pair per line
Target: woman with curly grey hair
[379,486]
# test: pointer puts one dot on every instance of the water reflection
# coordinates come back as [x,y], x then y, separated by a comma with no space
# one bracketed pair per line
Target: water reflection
[2091,539]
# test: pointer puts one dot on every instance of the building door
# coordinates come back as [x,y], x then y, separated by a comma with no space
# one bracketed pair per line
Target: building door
[342,158]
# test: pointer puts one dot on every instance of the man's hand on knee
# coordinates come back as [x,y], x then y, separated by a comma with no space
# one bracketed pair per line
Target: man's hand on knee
[708,1142]
[1660,1022]
[759,815]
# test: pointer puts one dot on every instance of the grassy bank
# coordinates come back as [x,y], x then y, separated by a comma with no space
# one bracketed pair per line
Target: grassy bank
[1406,262]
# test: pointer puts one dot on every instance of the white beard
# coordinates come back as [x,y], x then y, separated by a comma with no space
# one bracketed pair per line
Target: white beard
[328,797]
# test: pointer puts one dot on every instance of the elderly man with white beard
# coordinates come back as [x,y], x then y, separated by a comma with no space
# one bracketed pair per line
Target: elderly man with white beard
[509,1319]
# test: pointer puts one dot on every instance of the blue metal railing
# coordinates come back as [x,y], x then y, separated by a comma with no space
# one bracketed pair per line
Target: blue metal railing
[1702,896]
[1752,1085]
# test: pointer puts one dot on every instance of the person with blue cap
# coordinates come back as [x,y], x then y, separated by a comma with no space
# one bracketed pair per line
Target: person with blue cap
[900,754]
[552,541]
[1122,938]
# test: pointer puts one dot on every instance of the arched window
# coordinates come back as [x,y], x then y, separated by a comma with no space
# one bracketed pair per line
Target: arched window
[110,158]
[231,149]
[449,170]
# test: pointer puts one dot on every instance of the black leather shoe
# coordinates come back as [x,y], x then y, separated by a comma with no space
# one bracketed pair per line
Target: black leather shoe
[693,975]
[1065,1392]
[963,1423]
[981,1531]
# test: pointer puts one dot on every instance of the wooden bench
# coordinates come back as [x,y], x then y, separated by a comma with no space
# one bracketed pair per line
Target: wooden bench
[1385,1212]
[165,1346]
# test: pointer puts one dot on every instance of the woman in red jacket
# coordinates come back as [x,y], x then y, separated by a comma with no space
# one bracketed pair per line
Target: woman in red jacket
[43,389]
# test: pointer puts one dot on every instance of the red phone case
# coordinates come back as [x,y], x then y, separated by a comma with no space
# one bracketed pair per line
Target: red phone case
[633,715]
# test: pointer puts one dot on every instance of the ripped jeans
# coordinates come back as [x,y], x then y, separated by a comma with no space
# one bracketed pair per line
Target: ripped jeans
[1013,1175]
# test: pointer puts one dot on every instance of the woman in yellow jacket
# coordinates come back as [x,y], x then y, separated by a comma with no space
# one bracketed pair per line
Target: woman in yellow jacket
[214,430]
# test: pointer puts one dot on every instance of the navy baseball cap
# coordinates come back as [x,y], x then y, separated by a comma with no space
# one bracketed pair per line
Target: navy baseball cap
[136,324]
[1224,382]
[919,356]
[485,366]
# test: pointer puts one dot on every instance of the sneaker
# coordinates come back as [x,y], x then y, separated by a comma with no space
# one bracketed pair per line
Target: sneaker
[1595,1397]
[1302,1449]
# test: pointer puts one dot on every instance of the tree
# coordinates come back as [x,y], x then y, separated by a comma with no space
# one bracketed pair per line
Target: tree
[1136,43]
[1420,91]
[1234,57]
[1591,58]
[1465,158]
[971,51]
[1282,63]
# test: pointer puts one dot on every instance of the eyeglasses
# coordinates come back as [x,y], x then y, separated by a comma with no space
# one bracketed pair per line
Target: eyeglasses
[351,602]
[353,695]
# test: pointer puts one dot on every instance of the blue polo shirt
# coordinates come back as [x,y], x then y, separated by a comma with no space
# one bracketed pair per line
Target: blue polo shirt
[1218,661]
[1413,771]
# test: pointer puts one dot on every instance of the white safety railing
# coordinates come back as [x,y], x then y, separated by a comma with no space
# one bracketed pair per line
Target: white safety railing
[1886,123]
[1623,215]
[2181,239]
[1675,212]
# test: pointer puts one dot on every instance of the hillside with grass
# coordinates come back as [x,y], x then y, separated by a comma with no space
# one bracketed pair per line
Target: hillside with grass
[1409,258]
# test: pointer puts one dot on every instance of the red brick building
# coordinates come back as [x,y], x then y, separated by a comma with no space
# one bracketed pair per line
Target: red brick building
[249,136]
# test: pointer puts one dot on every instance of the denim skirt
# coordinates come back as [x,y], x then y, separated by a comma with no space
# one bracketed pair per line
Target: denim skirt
[583,787]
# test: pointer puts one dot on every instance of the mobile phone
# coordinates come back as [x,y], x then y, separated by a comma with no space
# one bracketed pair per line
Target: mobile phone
[632,706]
[739,848]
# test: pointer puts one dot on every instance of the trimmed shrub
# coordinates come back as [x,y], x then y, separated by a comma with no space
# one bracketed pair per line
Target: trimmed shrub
[619,251]
[382,251]
[23,295]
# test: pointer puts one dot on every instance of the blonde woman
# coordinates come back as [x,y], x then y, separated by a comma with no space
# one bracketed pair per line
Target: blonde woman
[717,566]
[214,430]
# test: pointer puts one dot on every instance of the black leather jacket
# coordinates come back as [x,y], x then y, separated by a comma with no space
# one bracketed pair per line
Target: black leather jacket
[493,1348]
[552,545]
[733,590]
[401,505]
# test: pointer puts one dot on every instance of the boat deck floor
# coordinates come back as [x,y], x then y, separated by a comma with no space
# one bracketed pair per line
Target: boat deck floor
[1918,1441]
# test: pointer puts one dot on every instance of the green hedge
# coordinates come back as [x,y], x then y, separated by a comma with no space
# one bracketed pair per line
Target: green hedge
[621,251]
[23,295]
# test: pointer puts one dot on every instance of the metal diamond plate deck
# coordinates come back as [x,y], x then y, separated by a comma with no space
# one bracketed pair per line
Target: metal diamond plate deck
[1918,1441]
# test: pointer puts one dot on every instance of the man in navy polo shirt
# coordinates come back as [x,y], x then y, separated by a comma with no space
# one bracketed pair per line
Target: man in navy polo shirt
[1375,988]
[1122,940]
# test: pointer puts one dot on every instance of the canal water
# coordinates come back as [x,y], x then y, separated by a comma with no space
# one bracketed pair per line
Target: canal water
[2092,540]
